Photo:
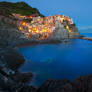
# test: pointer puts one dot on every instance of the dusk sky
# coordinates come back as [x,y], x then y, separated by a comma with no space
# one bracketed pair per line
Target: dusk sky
[79,10]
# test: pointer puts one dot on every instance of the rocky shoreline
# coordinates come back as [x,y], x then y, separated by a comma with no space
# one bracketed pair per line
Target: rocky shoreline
[12,80]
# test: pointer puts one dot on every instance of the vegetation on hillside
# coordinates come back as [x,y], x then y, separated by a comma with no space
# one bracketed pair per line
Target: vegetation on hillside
[7,8]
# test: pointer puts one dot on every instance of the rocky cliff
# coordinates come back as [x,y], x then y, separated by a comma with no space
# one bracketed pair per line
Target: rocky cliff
[10,36]
[11,80]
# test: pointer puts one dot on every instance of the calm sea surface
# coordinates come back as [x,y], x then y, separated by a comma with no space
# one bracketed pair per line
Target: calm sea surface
[58,61]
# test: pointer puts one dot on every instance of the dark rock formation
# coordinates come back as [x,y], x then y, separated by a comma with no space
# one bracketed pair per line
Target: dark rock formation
[28,89]
[10,36]
[56,86]
[82,84]
[11,80]
[11,58]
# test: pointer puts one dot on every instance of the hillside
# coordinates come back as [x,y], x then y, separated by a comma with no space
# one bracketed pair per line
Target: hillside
[7,8]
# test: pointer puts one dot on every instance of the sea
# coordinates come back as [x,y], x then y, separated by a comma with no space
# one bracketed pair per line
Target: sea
[65,60]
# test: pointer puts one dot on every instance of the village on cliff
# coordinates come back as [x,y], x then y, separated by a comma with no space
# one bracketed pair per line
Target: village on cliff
[51,27]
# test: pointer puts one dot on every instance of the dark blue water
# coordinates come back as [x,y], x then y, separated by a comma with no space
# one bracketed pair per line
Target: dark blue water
[58,61]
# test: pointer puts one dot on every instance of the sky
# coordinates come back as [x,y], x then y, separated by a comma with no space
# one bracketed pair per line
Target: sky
[79,10]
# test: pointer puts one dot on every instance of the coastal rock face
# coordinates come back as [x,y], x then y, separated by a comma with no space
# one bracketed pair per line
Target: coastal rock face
[56,86]
[81,84]
[75,33]
[11,58]
[11,80]
[60,33]
[10,36]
